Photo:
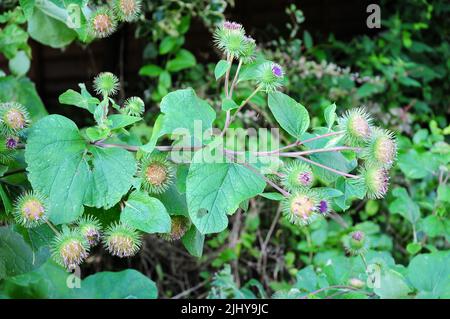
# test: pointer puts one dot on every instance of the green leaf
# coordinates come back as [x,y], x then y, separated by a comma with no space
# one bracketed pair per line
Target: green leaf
[306,279]
[229,104]
[214,190]
[330,115]
[181,108]
[168,44]
[404,205]
[16,256]
[157,127]
[433,226]
[96,133]
[48,30]
[83,100]
[57,167]
[368,89]
[111,178]
[5,199]
[183,60]
[126,284]
[221,68]
[272,196]
[413,248]
[392,285]
[165,79]
[151,70]
[415,165]
[57,158]
[122,120]
[146,213]
[292,116]
[307,39]
[20,64]
[27,7]
[430,274]
[193,241]
[351,190]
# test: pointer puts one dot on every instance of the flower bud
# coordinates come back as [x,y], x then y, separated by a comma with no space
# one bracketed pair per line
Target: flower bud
[300,207]
[297,174]
[270,76]
[6,153]
[356,283]
[30,210]
[122,240]
[90,228]
[134,106]
[70,248]
[13,117]
[106,84]
[156,173]
[127,10]
[324,207]
[11,142]
[381,149]
[248,50]
[180,225]
[230,38]
[357,126]
[356,243]
[102,23]
[376,180]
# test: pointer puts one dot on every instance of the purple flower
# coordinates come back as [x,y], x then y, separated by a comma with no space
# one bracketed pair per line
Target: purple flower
[232,25]
[323,206]
[11,142]
[358,235]
[277,70]
[305,178]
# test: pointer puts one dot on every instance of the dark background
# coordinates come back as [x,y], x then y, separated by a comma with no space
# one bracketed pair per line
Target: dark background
[55,70]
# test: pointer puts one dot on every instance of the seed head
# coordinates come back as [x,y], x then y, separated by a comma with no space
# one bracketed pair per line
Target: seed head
[230,38]
[180,225]
[156,173]
[102,23]
[381,149]
[357,125]
[297,174]
[270,76]
[30,209]
[90,228]
[106,84]
[356,243]
[134,106]
[301,207]
[11,142]
[127,10]
[70,248]
[376,180]
[248,53]
[13,117]
[122,240]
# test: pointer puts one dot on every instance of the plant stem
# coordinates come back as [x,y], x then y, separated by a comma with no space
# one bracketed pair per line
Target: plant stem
[233,84]
[327,168]
[227,74]
[318,150]
[52,227]
[245,102]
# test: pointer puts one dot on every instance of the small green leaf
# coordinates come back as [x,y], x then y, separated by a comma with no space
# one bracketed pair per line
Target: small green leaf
[157,127]
[221,68]
[122,120]
[96,133]
[165,79]
[292,116]
[168,44]
[183,60]
[273,196]
[151,70]
[146,213]
[83,100]
[20,64]
[307,39]
[229,104]
[330,115]
[404,205]
[193,241]
[413,248]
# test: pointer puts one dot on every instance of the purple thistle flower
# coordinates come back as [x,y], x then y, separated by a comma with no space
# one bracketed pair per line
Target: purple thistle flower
[358,235]
[11,142]
[232,25]
[277,70]
[323,206]
[305,178]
